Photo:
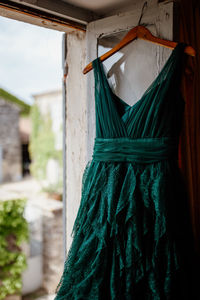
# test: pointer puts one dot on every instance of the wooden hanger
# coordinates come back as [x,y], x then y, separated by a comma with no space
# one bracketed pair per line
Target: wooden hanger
[143,33]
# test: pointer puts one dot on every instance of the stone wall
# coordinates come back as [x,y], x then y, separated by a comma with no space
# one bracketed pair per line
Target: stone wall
[52,249]
[45,248]
[10,146]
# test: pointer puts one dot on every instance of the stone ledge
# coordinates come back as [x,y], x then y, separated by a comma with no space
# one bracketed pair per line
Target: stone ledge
[13,297]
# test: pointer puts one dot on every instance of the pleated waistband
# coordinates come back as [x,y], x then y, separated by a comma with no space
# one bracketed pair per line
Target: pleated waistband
[141,150]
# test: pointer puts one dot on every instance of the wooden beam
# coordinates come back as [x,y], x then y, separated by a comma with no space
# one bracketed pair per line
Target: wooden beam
[60,8]
[39,17]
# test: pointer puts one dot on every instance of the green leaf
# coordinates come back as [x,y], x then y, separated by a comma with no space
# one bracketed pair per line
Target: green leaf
[13,230]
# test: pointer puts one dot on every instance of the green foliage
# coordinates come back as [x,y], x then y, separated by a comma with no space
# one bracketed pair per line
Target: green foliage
[42,143]
[25,108]
[13,230]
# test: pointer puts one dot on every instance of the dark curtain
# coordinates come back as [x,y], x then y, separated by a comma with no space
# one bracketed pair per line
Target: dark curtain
[189,150]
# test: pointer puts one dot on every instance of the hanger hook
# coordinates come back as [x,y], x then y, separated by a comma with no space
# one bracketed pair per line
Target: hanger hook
[142,12]
[98,38]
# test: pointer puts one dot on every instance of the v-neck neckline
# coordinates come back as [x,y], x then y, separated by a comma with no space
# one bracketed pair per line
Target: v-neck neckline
[128,106]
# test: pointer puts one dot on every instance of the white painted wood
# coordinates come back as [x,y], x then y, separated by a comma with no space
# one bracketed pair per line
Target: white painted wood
[75,126]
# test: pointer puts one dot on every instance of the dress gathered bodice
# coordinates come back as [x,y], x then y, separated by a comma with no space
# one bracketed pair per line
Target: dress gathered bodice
[156,114]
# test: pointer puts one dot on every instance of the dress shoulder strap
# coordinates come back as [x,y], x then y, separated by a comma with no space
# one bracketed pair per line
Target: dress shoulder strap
[172,70]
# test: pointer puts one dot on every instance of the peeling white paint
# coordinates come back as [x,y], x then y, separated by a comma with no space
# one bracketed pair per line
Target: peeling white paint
[76,126]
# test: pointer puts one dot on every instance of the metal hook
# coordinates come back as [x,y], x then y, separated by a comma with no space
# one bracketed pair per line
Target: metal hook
[142,12]
[98,38]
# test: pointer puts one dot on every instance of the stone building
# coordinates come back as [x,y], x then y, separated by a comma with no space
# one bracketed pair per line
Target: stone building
[15,130]
[10,145]
[50,106]
[51,102]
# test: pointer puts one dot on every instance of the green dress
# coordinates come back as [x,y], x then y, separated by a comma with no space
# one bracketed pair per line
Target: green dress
[132,236]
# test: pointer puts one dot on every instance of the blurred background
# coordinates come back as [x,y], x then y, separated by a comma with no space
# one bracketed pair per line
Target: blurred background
[30,159]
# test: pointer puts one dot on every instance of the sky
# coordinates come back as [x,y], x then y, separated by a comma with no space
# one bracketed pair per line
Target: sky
[30,59]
